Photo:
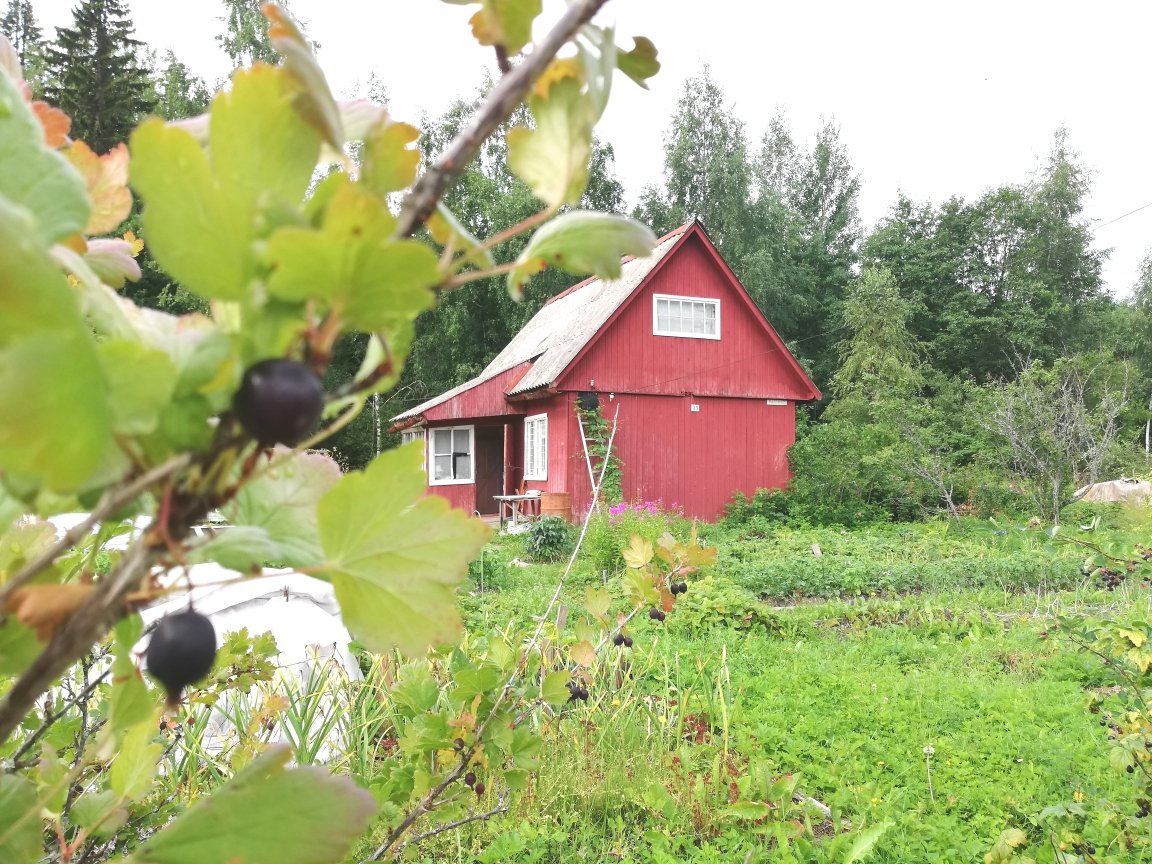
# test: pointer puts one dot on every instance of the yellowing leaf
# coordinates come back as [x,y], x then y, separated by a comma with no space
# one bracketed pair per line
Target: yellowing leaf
[35,177]
[505,22]
[314,100]
[134,243]
[396,557]
[553,158]
[583,654]
[55,123]
[638,553]
[1136,637]
[597,601]
[106,178]
[45,607]
[557,70]
[388,163]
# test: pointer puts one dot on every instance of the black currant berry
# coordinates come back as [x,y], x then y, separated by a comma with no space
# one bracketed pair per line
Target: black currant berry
[627,641]
[674,588]
[479,787]
[656,614]
[618,639]
[470,778]
[458,743]
[582,694]
[279,401]
[181,652]
[683,587]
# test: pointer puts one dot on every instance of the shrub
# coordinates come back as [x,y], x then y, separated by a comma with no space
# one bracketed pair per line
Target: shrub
[550,538]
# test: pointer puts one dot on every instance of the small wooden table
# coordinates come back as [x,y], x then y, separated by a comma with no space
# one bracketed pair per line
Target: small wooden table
[514,508]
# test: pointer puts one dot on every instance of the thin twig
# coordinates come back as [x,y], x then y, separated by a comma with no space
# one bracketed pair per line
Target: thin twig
[112,501]
[501,807]
[31,740]
[508,93]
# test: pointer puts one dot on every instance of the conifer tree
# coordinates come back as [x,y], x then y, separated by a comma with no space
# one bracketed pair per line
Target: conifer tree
[94,74]
[19,25]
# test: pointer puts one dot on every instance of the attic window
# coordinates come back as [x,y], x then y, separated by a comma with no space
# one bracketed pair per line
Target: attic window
[691,317]
[451,456]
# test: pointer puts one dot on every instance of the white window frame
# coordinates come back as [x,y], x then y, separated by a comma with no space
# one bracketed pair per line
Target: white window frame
[417,433]
[431,451]
[656,331]
[536,458]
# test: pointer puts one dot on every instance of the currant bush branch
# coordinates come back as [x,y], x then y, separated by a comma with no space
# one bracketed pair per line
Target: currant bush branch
[508,93]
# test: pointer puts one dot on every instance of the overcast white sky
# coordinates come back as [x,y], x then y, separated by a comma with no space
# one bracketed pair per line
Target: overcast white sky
[933,99]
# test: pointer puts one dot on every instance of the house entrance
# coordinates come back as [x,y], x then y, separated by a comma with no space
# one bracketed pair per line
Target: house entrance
[489,467]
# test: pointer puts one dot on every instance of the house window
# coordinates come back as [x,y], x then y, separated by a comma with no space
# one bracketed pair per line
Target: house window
[536,447]
[451,455]
[415,434]
[693,317]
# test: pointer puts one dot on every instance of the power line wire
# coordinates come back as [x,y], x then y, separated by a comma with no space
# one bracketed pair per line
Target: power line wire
[1126,215]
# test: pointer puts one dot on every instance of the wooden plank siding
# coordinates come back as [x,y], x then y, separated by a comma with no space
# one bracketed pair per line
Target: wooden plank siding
[626,357]
[695,460]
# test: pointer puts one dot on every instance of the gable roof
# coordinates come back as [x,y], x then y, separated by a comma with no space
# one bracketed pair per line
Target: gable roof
[562,327]
[567,325]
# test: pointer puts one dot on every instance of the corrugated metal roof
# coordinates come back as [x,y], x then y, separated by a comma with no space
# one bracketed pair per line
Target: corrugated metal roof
[558,332]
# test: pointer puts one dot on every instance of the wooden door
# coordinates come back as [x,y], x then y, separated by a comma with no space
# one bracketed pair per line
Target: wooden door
[489,467]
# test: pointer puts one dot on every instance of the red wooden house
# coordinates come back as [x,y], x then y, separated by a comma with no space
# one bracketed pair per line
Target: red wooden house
[705,389]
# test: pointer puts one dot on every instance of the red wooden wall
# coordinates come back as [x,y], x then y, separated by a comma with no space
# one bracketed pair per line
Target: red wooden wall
[696,460]
[628,358]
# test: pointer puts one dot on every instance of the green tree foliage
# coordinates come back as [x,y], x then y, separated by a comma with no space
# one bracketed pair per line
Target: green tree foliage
[785,217]
[1011,274]
[707,175]
[95,76]
[19,25]
[179,92]
[879,359]
[245,37]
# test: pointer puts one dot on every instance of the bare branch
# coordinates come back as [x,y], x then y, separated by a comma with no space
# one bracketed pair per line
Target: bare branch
[508,93]
[501,807]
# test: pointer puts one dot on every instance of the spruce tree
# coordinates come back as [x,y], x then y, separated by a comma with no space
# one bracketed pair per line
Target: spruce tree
[19,25]
[95,76]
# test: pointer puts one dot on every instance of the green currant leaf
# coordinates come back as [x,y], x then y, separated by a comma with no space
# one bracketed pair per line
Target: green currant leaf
[35,178]
[445,228]
[640,63]
[199,233]
[57,426]
[135,763]
[554,689]
[267,815]
[19,814]
[388,162]
[98,813]
[553,158]
[380,284]
[280,502]
[18,647]
[140,380]
[395,556]
[582,241]
[261,147]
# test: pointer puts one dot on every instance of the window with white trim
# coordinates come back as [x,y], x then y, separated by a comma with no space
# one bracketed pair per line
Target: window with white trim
[536,447]
[693,317]
[415,434]
[451,455]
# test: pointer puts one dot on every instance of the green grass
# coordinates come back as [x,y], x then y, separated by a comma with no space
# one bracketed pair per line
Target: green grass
[843,693]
